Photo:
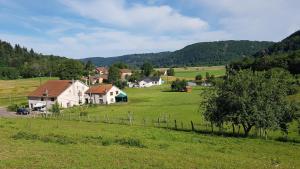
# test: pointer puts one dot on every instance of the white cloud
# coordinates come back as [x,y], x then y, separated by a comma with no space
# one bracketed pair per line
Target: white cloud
[136,16]
[256,19]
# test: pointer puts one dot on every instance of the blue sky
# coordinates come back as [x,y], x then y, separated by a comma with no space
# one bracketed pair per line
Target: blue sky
[105,28]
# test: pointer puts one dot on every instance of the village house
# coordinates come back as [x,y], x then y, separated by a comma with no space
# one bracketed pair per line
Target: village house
[146,82]
[101,70]
[66,93]
[125,73]
[105,94]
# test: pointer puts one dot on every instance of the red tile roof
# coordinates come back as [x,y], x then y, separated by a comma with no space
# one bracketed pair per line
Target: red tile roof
[99,89]
[102,69]
[54,88]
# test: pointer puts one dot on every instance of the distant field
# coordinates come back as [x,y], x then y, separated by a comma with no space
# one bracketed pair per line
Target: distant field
[47,144]
[15,91]
[190,73]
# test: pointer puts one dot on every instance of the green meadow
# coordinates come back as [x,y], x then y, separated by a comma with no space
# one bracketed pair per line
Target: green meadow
[192,72]
[40,143]
[138,134]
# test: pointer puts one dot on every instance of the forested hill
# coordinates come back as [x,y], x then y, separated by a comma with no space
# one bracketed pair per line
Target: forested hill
[17,61]
[204,53]
[284,54]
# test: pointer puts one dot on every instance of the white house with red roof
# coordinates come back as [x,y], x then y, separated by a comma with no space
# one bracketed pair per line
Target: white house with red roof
[66,93]
[105,94]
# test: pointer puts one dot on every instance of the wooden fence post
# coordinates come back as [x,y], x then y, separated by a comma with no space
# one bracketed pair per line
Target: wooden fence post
[192,124]
[158,122]
[175,125]
[182,125]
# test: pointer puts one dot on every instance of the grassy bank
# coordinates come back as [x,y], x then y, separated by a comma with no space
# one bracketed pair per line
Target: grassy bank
[39,143]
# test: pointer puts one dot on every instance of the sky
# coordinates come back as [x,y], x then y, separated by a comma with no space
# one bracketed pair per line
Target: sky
[106,28]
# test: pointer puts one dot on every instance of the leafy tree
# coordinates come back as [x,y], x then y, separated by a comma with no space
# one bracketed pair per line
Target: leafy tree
[199,77]
[55,109]
[171,72]
[89,68]
[121,65]
[70,69]
[147,69]
[251,99]
[178,85]
[135,76]
[113,74]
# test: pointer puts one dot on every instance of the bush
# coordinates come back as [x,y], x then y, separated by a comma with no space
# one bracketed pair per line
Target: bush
[13,107]
[130,142]
[83,113]
[55,109]
[178,85]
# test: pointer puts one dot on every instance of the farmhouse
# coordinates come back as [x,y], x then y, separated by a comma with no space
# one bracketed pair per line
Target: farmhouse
[125,73]
[105,94]
[147,82]
[66,93]
[101,70]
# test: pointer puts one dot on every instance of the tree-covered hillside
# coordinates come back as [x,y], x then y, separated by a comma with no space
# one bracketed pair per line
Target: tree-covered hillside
[204,53]
[17,61]
[284,54]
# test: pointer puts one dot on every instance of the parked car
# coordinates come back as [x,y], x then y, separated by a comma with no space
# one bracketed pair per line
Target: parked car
[22,111]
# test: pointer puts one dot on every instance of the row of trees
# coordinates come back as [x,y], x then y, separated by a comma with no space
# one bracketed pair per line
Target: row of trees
[251,99]
[19,62]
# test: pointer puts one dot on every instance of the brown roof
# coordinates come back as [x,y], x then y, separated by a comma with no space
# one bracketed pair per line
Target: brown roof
[99,89]
[102,69]
[125,70]
[53,87]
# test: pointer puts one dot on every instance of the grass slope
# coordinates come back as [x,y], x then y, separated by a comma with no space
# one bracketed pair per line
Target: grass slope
[39,143]
[15,91]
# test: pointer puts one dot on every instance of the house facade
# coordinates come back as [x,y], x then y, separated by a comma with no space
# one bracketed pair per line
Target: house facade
[101,70]
[146,82]
[125,73]
[104,94]
[66,93]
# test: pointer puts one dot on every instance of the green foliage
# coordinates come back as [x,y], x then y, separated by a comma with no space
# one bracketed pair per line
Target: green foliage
[179,85]
[9,73]
[70,69]
[199,77]
[147,69]
[113,74]
[18,61]
[171,72]
[198,54]
[12,107]
[284,54]
[136,75]
[55,109]
[120,84]
[120,65]
[252,99]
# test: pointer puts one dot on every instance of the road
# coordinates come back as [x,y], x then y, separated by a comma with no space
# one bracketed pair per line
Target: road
[5,113]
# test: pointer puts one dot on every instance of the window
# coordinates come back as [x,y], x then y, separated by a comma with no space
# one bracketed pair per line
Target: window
[117,92]
[42,99]
[112,100]
[52,99]
[101,101]
[111,93]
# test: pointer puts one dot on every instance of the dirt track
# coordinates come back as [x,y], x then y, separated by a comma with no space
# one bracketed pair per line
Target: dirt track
[5,113]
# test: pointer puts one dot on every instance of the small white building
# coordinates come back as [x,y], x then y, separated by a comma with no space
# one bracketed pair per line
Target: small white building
[105,94]
[147,82]
[66,93]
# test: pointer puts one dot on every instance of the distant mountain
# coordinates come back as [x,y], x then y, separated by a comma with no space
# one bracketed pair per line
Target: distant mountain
[284,54]
[204,53]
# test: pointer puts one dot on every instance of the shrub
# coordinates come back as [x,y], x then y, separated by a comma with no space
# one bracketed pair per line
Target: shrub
[13,107]
[130,142]
[83,113]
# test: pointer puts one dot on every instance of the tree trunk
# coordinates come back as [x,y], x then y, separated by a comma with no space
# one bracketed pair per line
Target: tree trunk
[247,130]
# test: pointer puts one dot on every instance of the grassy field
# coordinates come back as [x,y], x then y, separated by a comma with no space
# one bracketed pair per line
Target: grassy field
[190,73]
[40,143]
[15,91]
[76,143]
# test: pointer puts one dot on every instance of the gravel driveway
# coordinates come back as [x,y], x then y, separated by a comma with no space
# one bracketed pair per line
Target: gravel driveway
[5,113]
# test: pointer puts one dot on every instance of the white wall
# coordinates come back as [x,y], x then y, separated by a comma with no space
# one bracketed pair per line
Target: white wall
[70,96]
[107,99]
